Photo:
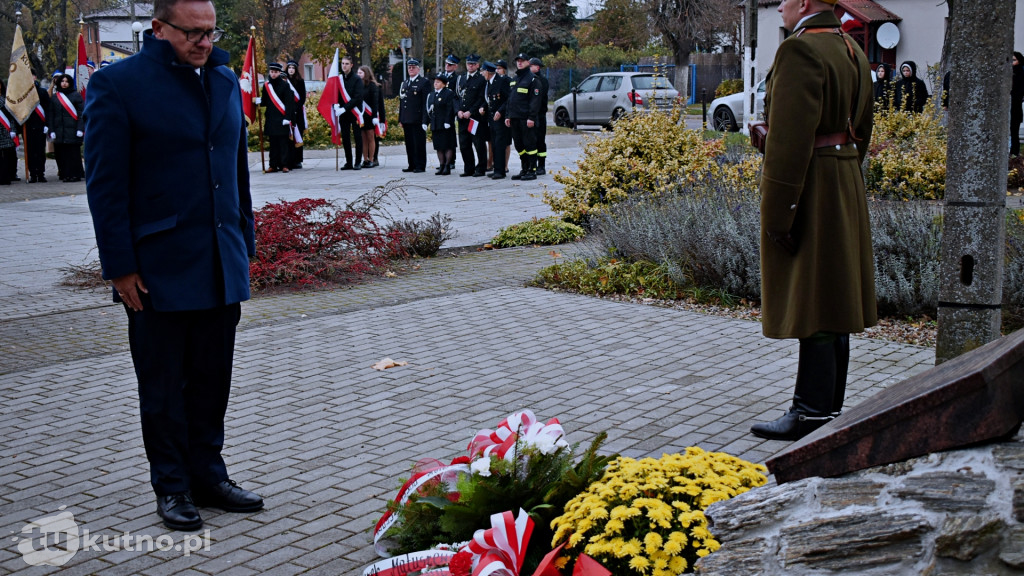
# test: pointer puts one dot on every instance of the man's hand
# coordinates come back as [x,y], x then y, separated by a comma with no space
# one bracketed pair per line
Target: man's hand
[529,123]
[129,286]
[447,125]
[424,127]
[79,133]
[508,123]
[53,135]
[785,241]
[497,116]
[257,100]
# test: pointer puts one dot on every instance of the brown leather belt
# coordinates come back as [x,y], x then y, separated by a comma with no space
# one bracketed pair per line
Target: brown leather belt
[829,140]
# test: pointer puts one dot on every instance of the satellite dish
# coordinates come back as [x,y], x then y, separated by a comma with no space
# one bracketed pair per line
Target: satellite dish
[888,35]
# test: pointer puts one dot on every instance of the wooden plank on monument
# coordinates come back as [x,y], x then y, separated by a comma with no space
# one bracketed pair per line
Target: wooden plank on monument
[975,397]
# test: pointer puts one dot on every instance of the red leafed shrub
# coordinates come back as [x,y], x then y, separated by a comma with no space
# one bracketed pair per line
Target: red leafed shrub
[315,241]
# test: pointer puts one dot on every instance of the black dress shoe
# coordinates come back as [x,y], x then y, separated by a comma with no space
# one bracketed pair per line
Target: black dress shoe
[517,176]
[408,169]
[42,178]
[479,174]
[229,497]
[297,166]
[497,176]
[346,167]
[419,170]
[179,512]
[439,172]
[465,174]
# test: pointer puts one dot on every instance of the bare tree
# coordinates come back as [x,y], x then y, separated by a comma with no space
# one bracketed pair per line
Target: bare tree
[372,14]
[686,24]
[500,23]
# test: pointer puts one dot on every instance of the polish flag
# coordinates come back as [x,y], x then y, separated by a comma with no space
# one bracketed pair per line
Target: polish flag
[329,97]
[248,85]
[849,23]
[82,73]
[473,126]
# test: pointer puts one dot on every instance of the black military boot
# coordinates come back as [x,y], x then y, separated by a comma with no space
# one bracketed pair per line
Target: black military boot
[540,166]
[812,399]
[842,348]
[531,165]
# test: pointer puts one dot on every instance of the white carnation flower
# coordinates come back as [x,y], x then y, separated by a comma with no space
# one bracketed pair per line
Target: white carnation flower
[481,466]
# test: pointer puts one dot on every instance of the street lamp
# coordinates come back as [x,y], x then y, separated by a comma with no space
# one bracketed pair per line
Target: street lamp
[136,29]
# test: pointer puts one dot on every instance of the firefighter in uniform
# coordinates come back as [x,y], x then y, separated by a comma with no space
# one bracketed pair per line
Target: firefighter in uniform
[472,108]
[412,115]
[542,119]
[523,110]
[497,92]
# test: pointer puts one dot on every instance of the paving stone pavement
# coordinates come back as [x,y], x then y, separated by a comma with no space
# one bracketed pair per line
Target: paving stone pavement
[319,433]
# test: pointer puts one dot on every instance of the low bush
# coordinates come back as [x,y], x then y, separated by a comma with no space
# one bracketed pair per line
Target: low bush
[907,158]
[542,231]
[423,238]
[905,238]
[649,153]
[730,86]
[606,276]
[314,241]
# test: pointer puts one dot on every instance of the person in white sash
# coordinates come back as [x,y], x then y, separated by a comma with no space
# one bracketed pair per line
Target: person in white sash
[67,127]
[280,105]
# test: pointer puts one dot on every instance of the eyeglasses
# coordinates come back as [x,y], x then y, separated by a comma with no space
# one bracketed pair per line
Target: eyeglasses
[196,36]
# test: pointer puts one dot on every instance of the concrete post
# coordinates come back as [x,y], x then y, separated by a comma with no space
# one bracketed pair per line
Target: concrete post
[973,232]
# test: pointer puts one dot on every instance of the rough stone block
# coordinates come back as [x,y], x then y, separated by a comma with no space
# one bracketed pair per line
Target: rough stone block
[842,493]
[947,491]
[746,557]
[976,397]
[753,508]
[1012,553]
[965,537]
[1018,499]
[853,542]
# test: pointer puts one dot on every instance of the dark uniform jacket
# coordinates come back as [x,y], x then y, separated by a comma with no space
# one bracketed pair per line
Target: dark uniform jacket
[354,87]
[412,108]
[544,87]
[169,195]
[274,125]
[300,86]
[816,194]
[441,109]
[34,124]
[472,97]
[62,123]
[498,91]
[373,97]
[524,102]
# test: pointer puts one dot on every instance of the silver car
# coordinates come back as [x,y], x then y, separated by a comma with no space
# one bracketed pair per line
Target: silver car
[727,111]
[603,98]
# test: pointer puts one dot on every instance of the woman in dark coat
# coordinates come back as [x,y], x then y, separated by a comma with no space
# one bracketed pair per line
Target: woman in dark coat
[1016,100]
[67,126]
[441,111]
[910,92]
[373,108]
[299,96]
[883,88]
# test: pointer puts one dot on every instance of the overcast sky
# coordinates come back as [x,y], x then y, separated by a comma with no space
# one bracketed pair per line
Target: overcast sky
[585,7]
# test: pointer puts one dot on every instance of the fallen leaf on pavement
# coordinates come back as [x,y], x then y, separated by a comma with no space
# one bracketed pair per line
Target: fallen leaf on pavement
[388,363]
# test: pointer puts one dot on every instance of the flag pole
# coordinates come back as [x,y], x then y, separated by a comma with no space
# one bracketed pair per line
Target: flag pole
[24,130]
[256,81]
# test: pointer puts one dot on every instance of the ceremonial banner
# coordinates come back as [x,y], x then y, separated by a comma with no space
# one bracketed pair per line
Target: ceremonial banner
[248,84]
[82,73]
[22,97]
[328,98]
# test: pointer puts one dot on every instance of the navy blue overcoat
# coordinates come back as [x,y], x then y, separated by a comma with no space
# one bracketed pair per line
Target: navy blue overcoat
[167,177]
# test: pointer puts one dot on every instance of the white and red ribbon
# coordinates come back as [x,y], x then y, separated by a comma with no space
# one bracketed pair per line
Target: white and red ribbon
[413,562]
[66,103]
[40,112]
[502,547]
[7,126]
[381,129]
[518,425]
[425,474]
[275,99]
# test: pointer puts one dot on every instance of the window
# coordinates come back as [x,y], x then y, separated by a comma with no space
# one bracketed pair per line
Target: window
[590,84]
[610,83]
[308,74]
[651,83]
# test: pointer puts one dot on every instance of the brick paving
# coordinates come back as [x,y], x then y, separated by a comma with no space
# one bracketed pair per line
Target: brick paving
[319,433]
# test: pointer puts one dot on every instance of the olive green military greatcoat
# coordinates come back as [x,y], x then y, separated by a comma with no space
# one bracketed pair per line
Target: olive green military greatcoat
[816,194]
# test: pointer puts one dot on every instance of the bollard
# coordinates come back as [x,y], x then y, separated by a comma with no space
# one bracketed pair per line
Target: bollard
[704,108]
[575,124]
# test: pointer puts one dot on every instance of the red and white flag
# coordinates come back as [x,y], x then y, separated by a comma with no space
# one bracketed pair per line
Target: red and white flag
[82,72]
[328,98]
[473,126]
[248,84]
[381,129]
[849,23]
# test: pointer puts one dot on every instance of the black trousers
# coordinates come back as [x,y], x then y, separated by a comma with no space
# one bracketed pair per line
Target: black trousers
[415,146]
[525,139]
[294,155]
[183,365]
[69,159]
[542,131]
[35,149]
[501,137]
[468,143]
[5,159]
[1015,137]
[350,130]
[279,151]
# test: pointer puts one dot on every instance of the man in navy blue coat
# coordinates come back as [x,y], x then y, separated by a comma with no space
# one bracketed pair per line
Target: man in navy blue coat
[171,207]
